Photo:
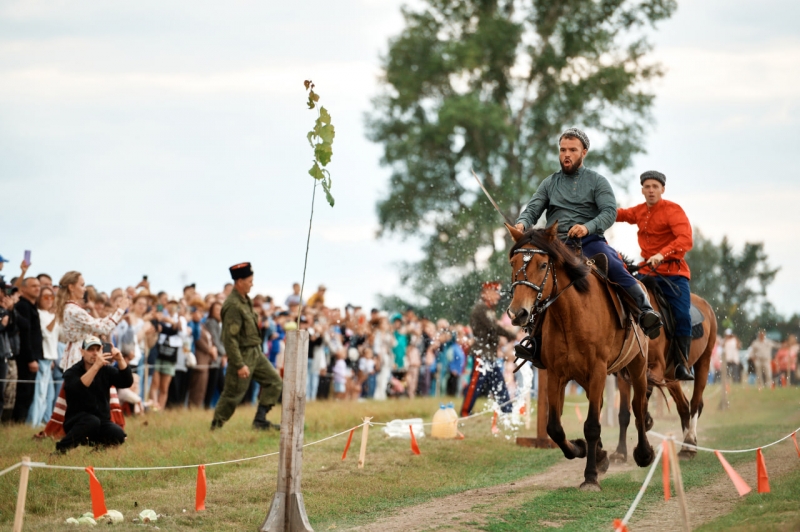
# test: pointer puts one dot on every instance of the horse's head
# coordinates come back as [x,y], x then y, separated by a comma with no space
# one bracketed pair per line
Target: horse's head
[532,271]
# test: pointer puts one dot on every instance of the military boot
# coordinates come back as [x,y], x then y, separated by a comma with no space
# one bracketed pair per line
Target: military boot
[683,372]
[649,319]
[260,422]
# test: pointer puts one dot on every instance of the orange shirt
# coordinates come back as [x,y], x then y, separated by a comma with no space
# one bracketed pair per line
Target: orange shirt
[663,228]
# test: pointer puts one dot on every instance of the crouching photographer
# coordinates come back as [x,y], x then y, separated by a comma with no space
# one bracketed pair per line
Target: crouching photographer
[87,384]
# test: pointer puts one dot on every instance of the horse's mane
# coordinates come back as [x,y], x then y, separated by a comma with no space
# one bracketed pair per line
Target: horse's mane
[561,255]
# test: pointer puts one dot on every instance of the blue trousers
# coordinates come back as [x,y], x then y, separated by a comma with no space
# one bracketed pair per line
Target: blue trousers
[594,244]
[493,381]
[677,292]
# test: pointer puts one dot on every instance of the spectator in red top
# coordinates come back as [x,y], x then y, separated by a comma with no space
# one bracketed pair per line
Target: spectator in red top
[665,235]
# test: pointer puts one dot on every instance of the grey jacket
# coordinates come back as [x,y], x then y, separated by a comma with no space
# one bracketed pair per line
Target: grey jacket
[584,197]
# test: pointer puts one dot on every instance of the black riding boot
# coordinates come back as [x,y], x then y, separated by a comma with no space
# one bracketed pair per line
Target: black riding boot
[682,370]
[260,422]
[530,349]
[649,320]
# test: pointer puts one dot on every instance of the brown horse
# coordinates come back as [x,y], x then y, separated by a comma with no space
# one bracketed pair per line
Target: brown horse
[581,340]
[699,358]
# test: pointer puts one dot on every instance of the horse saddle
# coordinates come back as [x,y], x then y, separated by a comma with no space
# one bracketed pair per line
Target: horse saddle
[666,310]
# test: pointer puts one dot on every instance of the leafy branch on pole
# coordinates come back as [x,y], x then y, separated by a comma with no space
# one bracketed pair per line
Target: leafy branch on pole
[321,140]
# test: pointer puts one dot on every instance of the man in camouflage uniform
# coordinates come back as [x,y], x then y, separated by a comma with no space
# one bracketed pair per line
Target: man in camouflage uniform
[242,341]
[487,375]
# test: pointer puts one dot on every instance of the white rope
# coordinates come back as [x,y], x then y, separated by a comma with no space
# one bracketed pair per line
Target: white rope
[160,468]
[10,469]
[643,488]
[27,381]
[698,448]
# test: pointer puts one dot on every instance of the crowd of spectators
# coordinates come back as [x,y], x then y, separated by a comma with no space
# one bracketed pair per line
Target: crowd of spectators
[765,363]
[173,345]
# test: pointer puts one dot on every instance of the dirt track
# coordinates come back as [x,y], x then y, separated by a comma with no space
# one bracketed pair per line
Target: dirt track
[471,509]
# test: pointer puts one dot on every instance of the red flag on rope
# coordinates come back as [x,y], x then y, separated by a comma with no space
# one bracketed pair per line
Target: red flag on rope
[522,410]
[96,491]
[738,481]
[665,468]
[794,439]
[495,430]
[200,495]
[619,527]
[414,446]
[349,440]
[761,472]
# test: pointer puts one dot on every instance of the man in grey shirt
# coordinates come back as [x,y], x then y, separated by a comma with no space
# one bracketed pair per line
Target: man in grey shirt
[583,204]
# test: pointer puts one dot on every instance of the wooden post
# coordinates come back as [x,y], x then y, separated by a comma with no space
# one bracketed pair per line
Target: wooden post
[542,441]
[19,515]
[288,512]
[678,480]
[362,455]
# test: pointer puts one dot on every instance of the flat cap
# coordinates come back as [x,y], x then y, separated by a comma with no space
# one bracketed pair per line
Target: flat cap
[652,174]
[576,133]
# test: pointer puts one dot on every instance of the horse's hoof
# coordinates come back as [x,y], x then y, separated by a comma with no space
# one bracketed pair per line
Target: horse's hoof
[590,486]
[687,455]
[580,447]
[618,457]
[643,456]
[648,422]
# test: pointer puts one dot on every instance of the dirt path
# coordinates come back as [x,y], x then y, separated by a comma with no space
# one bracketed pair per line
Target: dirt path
[470,509]
[716,499]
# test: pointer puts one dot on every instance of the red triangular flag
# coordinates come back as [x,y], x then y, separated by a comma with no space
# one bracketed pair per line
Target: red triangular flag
[346,447]
[414,446]
[96,491]
[794,439]
[522,410]
[495,430]
[665,468]
[761,472]
[200,495]
[738,481]
[619,527]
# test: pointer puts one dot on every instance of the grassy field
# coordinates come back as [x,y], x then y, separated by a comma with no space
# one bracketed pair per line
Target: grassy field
[339,495]
[336,492]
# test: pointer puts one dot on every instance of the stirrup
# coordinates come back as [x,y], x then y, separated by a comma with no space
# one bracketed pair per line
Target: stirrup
[530,350]
[651,323]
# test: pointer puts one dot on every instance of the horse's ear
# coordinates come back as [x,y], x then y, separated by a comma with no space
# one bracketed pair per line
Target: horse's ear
[552,231]
[516,234]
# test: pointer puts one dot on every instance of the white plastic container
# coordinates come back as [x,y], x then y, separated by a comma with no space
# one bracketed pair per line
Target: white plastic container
[398,428]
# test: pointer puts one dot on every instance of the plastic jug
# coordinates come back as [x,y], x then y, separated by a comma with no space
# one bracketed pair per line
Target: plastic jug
[453,414]
[444,423]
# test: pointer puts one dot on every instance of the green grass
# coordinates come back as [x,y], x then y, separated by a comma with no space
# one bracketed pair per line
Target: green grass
[336,493]
[754,418]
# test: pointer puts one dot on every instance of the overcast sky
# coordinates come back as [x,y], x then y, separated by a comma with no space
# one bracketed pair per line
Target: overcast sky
[168,139]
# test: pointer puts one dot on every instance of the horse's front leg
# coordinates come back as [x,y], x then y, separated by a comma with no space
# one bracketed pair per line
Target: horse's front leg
[621,454]
[643,452]
[591,430]
[555,398]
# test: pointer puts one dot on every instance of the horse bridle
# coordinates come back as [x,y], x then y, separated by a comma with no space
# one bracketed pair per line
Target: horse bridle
[539,306]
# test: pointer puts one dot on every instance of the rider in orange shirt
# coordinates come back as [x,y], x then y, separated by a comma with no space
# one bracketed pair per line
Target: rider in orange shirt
[665,235]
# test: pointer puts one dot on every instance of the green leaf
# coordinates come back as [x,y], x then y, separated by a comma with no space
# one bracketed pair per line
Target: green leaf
[316,171]
[324,116]
[326,186]
[309,137]
[326,133]
[323,153]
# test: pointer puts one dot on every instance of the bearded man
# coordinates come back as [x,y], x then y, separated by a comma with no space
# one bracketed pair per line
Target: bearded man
[583,204]
[665,235]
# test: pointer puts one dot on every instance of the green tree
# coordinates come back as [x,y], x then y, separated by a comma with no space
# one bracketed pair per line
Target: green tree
[490,84]
[735,283]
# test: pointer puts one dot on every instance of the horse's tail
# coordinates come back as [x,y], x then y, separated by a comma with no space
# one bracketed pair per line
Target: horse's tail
[660,385]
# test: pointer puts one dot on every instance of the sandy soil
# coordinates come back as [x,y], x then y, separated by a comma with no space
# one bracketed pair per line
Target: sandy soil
[470,509]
